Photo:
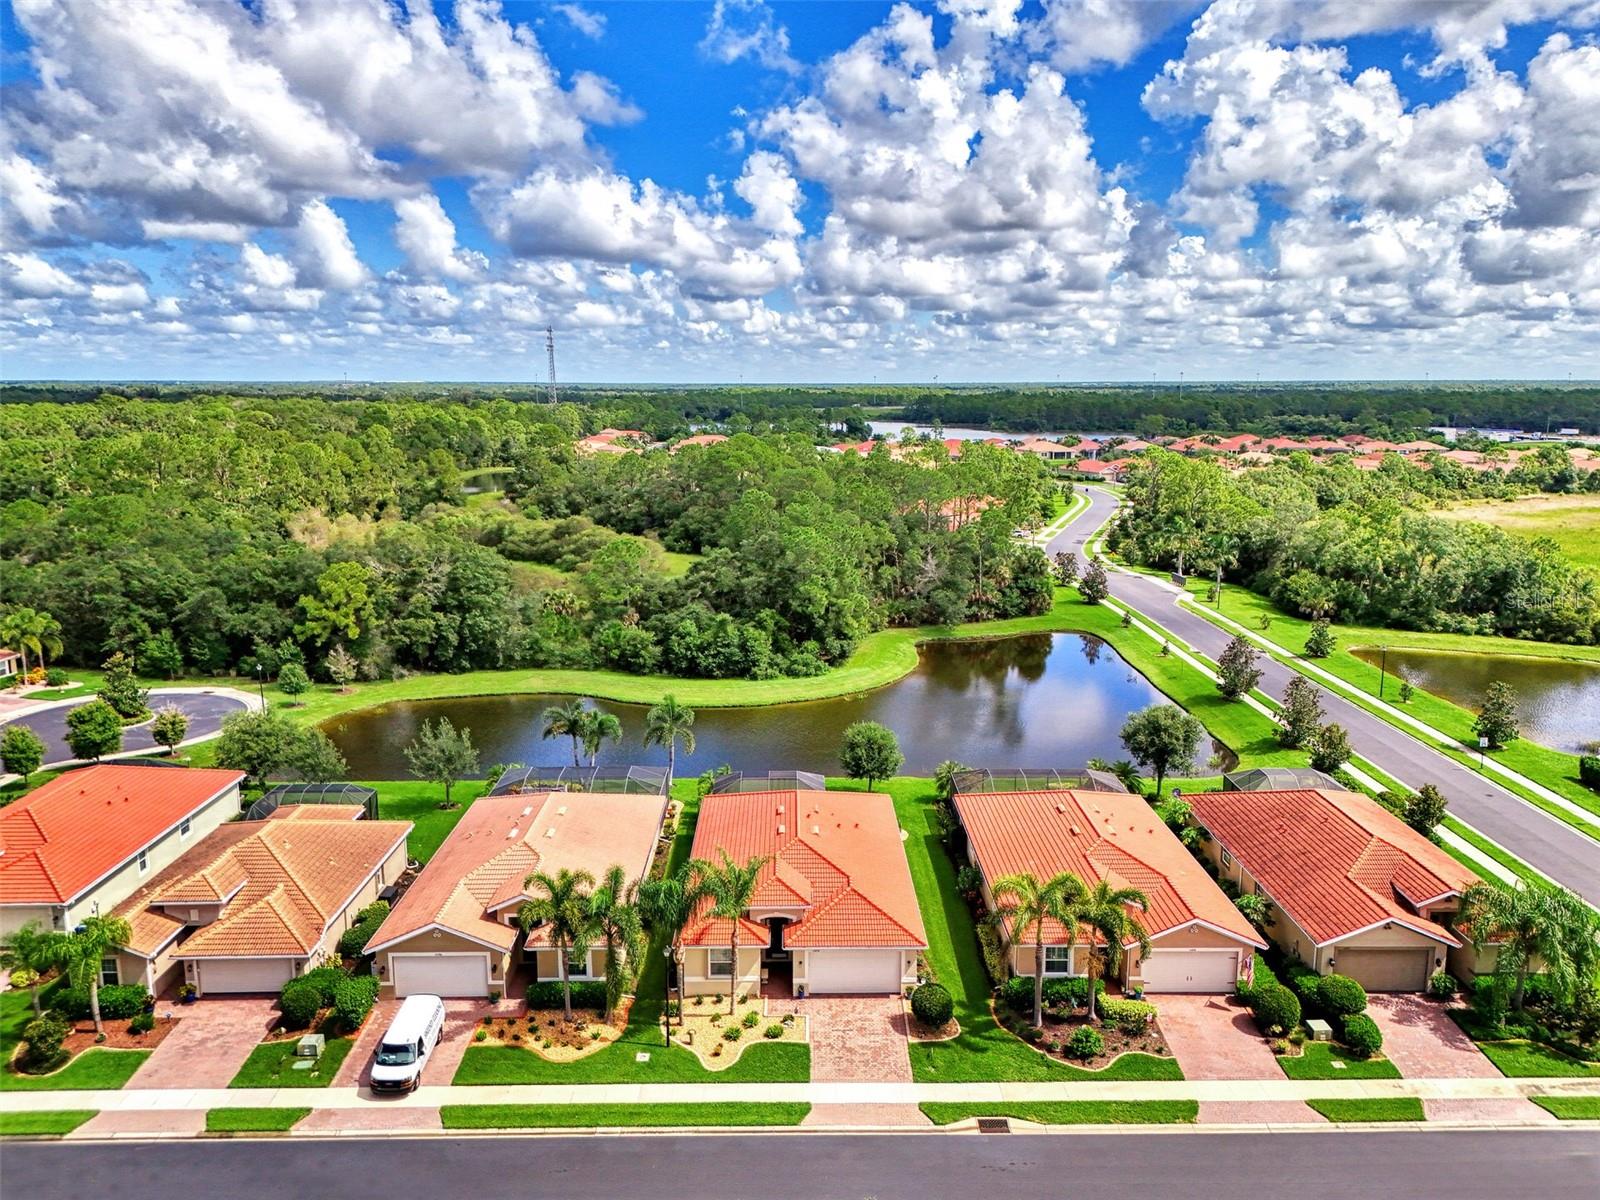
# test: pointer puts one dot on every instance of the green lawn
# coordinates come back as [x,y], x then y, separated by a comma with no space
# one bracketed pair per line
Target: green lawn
[984,1051]
[1572,522]
[271,1065]
[1070,1112]
[1570,1108]
[1393,1108]
[678,563]
[1520,1059]
[418,802]
[16,1010]
[96,1069]
[1318,1059]
[607,1116]
[254,1120]
[43,1124]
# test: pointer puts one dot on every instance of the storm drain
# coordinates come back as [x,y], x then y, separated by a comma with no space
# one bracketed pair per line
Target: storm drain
[993,1125]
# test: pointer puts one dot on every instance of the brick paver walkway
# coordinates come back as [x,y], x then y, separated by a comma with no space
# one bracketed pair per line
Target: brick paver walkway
[212,1039]
[377,1117]
[1508,1112]
[1213,1039]
[1423,1042]
[855,1038]
[908,1115]
[162,1120]
[1258,1112]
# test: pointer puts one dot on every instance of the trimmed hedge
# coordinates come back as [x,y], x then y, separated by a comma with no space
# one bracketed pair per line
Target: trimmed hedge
[299,1002]
[585,994]
[932,1005]
[1017,993]
[1303,982]
[1361,1035]
[1589,771]
[117,1000]
[1130,1016]
[1276,1009]
[353,941]
[353,998]
[327,979]
[1341,996]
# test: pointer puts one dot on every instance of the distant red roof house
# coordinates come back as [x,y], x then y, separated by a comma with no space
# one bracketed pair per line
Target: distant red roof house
[854,447]
[1044,448]
[835,909]
[1133,446]
[1095,469]
[700,439]
[613,441]
[1356,891]
[1366,462]
[1086,446]
[1418,447]
[1199,940]
[1236,443]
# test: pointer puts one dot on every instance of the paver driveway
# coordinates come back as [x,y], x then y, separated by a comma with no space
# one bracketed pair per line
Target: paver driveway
[1423,1042]
[854,1037]
[1213,1039]
[460,1019]
[212,1039]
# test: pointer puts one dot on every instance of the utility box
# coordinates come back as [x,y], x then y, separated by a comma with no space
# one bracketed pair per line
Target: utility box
[310,1046]
[1320,1030]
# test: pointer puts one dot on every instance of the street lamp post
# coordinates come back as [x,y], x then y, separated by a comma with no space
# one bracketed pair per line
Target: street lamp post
[666,992]
[261,687]
[1383,667]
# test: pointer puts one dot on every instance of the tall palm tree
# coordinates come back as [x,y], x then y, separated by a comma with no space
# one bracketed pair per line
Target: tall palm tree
[82,951]
[46,636]
[667,904]
[1528,923]
[667,724]
[564,907]
[35,950]
[1104,910]
[597,729]
[614,913]
[566,720]
[1025,903]
[14,631]
[730,886]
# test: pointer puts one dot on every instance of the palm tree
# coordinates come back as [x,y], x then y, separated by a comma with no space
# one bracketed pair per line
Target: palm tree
[1104,909]
[14,631]
[598,728]
[82,951]
[614,913]
[565,908]
[1528,923]
[566,720]
[1026,904]
[666,905]
[34,950]
[731,887]
[667,724]
[46,636]
[944,778]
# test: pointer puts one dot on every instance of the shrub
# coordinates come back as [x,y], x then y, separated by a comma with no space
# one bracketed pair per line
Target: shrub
[1085,1042]
[1016,993]
[1304,983]
[142,1023]
[1341,996]
[732,1033]
[1276,1009]
[773,1031]
[1589,771]
[353,941]
[1130,1016]
[56,677]
[751,1019]
[353,998]
[117,1000]
[1280,1047]
[326,977]
[931,1004]
[1073,992]
[378,908]
[587,994]
[1442,985]
[994,955]
[42,1038]
[299,1001]
[1361,1035]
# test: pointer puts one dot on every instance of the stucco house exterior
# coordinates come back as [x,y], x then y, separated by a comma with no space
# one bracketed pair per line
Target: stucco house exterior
[82,843]
[1199,941]
[455,931]
[1354,890]
[258,902]
[835,910]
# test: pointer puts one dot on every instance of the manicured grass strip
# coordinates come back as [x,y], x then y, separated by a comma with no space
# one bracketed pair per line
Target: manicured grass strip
[1392,1108]
[96,1069]
[607,1116]
[54,1123]
[271,1064]
[1490,850]
[1520,1059]
[489,1065]
[1318,1059]
[254,1120]
[1070,1112]
[1570,1108]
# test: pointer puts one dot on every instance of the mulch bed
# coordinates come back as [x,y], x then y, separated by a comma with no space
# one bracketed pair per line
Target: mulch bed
[117,1036]
[1059,1027]
[568,1039]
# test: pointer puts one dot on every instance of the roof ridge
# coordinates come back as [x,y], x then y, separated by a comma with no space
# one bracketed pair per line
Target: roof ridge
[289,875]
[851,890]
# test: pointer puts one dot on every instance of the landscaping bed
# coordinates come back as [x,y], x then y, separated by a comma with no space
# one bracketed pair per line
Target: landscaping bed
[708,1029]
[1070,1112]
[550,1035]
[118,1035]
[607,1116]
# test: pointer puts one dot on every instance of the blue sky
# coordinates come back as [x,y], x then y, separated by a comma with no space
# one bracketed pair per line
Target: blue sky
[973,189]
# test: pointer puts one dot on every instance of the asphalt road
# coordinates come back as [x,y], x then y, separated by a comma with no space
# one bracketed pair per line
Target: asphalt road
[205,717]
[1469,1165]
[1563,853]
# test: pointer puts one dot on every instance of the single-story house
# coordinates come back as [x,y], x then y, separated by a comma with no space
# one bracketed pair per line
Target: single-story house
[455,931]
[835,910]
[10,663]
[1044,448]
[86,840]
[699,439]
[1199,941]
[1354,890]
[1094,469]
[258,902]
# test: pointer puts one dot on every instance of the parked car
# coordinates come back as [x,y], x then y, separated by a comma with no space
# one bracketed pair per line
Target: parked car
[406,1045]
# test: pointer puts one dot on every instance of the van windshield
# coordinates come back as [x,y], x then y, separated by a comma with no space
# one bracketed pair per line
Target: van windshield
[390,1055]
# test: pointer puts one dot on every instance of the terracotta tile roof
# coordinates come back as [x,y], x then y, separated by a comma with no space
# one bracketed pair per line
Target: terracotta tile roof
[501,840]
[1335,861]
[1112,836]
[67,834]
[318,812]
[836,855]
[282,882]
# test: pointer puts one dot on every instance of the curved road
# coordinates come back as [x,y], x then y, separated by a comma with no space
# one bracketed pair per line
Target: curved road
[206,711]
[1560,851]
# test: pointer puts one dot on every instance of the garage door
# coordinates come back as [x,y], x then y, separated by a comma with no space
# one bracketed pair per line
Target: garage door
[440,974]
[1385,970]
[836,971]
[1178,970]
[218,976]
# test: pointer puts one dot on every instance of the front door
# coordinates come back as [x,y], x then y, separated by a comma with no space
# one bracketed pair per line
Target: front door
[775,951]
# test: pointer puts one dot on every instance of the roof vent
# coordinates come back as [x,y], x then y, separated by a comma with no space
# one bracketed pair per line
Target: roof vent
[551,832]
[817,830]
[513,833]
[781,828]
[1060,807]
[528,812]
[1073,829]
[562,811]
[780,810]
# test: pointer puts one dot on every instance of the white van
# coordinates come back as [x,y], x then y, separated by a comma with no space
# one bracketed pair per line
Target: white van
[405,1047]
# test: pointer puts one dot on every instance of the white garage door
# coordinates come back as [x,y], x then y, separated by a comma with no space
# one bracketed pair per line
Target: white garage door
[1178,970]
[244,975]
[440,974]
[835,971]
[1386,970]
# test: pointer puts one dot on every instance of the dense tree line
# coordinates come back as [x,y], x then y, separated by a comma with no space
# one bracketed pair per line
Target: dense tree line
[1332,541]
[226,534]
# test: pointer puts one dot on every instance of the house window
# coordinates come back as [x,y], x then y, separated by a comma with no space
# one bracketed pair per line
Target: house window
[1058,960]
[183,828]
[719,963]
[1227,859]
[144,861]
[577,964]
[108,972]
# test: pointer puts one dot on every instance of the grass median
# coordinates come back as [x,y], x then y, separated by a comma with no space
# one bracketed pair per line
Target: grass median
[1570,1108]
[254,1120]
[1069,1112]
[625,1116]
[52,1123]
[1389,1108]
